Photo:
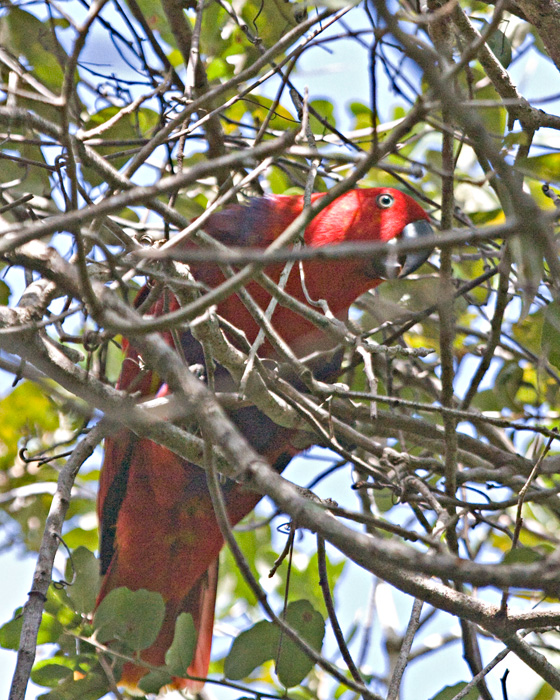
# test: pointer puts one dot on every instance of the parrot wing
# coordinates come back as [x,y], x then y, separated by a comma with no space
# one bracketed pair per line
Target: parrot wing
[158,528]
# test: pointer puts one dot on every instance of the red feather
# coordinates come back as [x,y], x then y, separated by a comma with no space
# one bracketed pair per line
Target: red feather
[158,529]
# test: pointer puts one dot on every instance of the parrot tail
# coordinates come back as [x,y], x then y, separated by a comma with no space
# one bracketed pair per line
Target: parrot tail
[200,603]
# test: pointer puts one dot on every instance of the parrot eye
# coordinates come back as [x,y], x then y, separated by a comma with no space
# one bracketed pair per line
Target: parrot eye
[384,201]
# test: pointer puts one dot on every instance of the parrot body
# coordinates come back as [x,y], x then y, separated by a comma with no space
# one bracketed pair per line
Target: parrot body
[158,529]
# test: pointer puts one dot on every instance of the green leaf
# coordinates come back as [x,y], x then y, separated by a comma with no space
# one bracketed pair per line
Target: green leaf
[302,585]
[26,35]
[5,292]
[251,649]
[133,617]
[363,115]
[529,331]
[545,692]
[522,555]
[50,672]
[487,401]
[544,168]
[218,68]
[154,681]
[92,687]
[294,664]
[83,592]
[78,537]
[326,110]
[261,643]
[180,654]
[59,605]
[507,384]
[130,126]
[271,19]
[157,21]
[260,108]
[277,180]
[256,545]
[10,632]
[500,45]
[527,254]
[34,180]
[516,138]
[49,630]
[494,118]
[551,333]
[450,691]
[384,499]
[24,411]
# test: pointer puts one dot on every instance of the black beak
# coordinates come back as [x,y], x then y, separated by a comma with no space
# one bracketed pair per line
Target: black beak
[392,266]
[411,232]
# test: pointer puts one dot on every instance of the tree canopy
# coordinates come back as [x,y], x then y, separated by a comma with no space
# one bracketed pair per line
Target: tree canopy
[123,126]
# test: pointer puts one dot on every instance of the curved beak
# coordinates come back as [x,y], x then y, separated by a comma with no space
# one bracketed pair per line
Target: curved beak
[413,260]
[393,266]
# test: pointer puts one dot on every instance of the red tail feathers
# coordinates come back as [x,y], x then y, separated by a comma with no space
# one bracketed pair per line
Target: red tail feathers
[158,529]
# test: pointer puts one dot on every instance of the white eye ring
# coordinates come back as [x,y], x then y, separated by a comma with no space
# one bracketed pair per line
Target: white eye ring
[384,201]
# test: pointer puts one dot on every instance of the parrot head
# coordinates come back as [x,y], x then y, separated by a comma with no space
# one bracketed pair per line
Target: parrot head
[369,215]
[377,214]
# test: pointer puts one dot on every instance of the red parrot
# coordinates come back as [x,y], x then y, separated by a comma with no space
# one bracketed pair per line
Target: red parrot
[158,529]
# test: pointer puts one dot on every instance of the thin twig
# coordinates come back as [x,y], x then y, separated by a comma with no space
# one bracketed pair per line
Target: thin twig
[402,661]
[331,611]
